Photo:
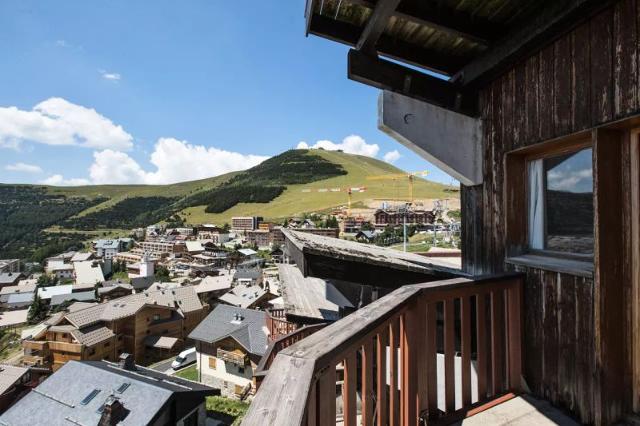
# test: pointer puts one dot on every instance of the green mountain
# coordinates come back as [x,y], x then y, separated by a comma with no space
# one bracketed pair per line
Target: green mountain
[39,220]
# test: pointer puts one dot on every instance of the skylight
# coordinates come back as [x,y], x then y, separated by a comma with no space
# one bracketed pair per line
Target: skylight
[123,387]
[87,399]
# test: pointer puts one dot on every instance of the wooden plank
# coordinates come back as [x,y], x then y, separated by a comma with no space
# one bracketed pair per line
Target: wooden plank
[449,353]
[376,24]
[520,105]
[508,118]
[514,324]
[465,334]
[409,334]
[481,362]
[531,94]
[394,406]
[581,77]
[567,340]
[562,108]
[420,363]
[550,338]
[546,26]
[609,306]
[625,69]
[497,342]
[349,397]
[326,407]
[312,412]
[431,357]
[271,410]
[387,75]
[634,177]
[454,24]
[585,363]
[601,67]
[545,91]
[382,412]
[367,394]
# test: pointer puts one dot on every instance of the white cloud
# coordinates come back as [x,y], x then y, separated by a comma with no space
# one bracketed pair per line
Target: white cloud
[59,180]
[175,161]
[57,121]
[23,168]
[392,156]
[61,43]
[114,76]
[352,144]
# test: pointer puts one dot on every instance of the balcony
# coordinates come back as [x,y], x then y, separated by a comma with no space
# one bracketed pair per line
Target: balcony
[278,325]
[449,346]
[233,357]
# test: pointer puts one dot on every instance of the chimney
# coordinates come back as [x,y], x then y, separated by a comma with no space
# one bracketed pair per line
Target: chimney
[126,362]
[112,412]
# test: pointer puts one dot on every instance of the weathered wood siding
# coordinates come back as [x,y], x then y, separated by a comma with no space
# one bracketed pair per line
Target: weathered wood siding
[586,78]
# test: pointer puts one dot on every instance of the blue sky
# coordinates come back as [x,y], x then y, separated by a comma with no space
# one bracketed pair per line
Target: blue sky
[155,92]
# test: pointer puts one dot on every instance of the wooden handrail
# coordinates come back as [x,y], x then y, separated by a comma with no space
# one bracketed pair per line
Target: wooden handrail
[395,340]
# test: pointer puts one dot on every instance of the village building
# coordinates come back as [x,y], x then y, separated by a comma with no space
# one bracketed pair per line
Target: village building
[106,393]
[212,233]
[401,216]
[15,382]
[10,278]
[9,265]
[149,325]
[107,249]
[245,223]
[229,344]
[248,296]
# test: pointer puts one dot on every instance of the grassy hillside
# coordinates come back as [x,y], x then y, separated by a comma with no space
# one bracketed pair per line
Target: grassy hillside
[294,201]
[44,215]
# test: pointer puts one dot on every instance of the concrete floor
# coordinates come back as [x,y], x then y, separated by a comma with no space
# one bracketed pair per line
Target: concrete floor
[522,410]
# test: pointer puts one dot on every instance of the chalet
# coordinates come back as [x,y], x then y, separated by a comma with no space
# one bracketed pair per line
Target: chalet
[247,296]
[148,325]
[209,289]
[365,236]
[386,217]
[229,343]
[536,115]
[106,393]
[251,275]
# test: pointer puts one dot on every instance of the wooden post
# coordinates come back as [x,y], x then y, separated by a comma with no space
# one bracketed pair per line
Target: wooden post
[465,312]
[609,310]
[449,353]
[349,389]
[497,337]
[381,349]
[326,407]
[515,330]
[367,383]
[432,361]
[394,407]
[481,350]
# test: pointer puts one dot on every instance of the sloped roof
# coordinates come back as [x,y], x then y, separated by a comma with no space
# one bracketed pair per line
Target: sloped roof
[88,272]
[13,289]
[82,296]
[57,400]
[194,246]
[243,296]
[250,332]
[81,257]
[184,299]
[310,297]
[220,282]
[48,292]
[9,375]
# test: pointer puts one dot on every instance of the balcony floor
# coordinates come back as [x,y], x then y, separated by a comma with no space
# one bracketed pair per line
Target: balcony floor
[522,410]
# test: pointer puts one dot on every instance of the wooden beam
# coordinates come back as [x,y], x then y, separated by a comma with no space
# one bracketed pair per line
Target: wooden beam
[375,25]
[387,75]
[343,32]
[443,20]
[553,21]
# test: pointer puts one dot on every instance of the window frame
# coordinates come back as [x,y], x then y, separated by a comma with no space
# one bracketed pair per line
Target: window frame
[542,154]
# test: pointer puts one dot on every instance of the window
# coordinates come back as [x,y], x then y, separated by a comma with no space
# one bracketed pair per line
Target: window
[212,363]
[561,203]
[241,370]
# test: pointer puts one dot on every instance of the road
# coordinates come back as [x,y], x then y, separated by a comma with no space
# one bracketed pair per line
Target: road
[164,366]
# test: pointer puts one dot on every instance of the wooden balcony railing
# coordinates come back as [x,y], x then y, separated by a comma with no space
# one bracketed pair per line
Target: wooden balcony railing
[233,357]
[278,325]
[278,345]
[400,357]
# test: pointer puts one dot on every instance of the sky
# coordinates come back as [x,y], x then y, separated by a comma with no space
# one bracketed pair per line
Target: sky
[154,92]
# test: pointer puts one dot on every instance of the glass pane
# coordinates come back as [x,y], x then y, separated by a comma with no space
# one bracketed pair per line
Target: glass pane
[569,202]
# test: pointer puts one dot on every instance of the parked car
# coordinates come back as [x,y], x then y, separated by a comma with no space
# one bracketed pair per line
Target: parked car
[184,358]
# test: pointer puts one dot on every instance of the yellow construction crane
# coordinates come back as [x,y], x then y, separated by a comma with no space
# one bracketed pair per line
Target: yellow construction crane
[408,175]
[348,190]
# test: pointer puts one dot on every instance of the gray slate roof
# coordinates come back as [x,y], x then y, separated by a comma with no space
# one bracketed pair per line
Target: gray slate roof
[82,296]
[250,332]
[58,400]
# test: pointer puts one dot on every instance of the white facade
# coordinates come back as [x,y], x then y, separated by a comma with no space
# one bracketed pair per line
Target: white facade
[225,376]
